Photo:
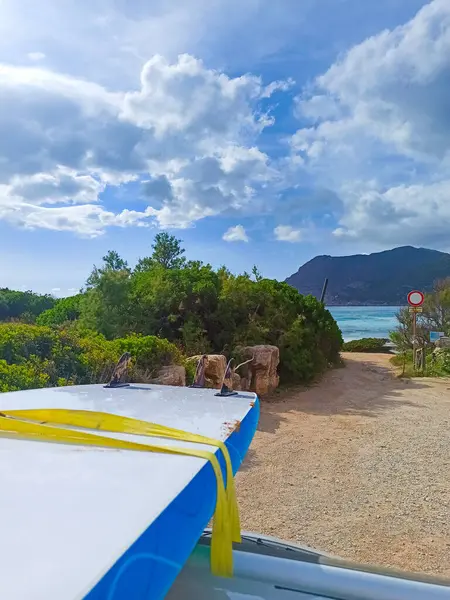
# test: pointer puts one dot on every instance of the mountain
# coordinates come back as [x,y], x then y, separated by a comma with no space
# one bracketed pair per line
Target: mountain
[372,279]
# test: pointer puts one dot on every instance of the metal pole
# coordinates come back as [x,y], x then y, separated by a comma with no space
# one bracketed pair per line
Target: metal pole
[324,290]
[414,338]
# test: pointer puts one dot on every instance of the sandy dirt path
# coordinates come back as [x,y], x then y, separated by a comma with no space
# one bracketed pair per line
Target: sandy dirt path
[357,466]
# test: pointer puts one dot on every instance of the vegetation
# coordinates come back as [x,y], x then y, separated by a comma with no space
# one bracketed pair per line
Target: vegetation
[64,310]
[33,356]
[435,317]
[24,306]
[438,364]
[165,309]
[21,377]
[366,345]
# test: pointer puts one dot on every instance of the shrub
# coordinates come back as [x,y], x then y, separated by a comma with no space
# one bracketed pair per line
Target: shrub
[60,357]
[166,308]
[309,346]
[22,305]
[191,368]
[438,364]
[37,356]
[203,310]
[149,353]
[65,309]
[366,345]
[19,342]
[20,377]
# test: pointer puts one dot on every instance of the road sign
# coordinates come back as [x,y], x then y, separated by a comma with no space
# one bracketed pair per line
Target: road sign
[415,298]
[436,335]
[415,309]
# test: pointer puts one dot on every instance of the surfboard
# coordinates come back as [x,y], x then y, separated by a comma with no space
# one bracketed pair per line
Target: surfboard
[104,523]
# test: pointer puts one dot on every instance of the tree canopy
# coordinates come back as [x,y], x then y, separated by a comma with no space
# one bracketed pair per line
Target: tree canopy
[205,310]
[193,307]
[167,252]
[23,305]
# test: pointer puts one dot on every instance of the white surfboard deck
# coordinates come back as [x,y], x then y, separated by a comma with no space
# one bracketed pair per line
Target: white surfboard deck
[69,512]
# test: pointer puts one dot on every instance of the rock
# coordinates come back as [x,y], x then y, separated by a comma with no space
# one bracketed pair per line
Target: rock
[259,376]
[171,375]
[262,377]
[214,369]
[236,381]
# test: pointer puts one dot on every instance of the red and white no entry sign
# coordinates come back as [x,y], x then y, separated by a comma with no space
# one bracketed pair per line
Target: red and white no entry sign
[415,298]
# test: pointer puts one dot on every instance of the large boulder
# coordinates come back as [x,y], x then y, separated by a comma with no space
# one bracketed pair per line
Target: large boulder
[237,382]
[261,374]
[171,375]
[214,369]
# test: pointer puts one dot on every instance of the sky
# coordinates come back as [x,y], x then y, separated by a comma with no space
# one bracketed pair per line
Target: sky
[257,132]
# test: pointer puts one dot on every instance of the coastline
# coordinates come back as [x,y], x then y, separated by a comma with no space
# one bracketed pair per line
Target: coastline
[358,321]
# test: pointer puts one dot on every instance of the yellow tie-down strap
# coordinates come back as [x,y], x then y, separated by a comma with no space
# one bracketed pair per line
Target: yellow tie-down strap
[40,424]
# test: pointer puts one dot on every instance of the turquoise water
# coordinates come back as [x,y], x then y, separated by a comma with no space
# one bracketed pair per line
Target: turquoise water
[358,322]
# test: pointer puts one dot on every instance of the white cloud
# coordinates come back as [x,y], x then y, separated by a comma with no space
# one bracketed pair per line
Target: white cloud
[379,131]
[415,214]
[64,186]
[87,220]
[109,42]
[192,130]
[235,234]
[286,233]
[186,97]
[36,56]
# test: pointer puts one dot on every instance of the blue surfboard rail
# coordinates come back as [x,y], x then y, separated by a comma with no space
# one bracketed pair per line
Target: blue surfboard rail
[147,569]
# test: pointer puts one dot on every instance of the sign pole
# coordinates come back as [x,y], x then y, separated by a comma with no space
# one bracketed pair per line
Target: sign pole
[415,301]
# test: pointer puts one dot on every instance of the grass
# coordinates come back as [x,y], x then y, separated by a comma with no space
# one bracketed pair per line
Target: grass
[404,362]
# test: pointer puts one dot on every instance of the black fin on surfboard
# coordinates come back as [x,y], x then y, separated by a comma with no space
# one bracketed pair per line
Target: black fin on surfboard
[227,383]
[200,373]
[120,372]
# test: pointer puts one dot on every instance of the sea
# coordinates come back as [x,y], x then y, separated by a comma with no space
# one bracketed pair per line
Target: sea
[358,322]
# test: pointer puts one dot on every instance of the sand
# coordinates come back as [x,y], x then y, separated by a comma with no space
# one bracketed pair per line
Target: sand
[357,466]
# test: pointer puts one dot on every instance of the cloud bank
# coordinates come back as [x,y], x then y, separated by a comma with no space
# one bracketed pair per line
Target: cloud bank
[66,143]
[376,131]
[366,157]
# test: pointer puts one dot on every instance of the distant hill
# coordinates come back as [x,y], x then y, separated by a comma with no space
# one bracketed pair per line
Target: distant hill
[382,278]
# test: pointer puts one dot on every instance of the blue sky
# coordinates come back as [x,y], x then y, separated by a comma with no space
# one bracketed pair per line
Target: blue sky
[258,132]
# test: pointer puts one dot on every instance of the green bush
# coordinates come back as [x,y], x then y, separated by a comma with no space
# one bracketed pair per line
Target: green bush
[167,308]
[26,306]
[63,357]
[191,368]
[202,310]
[19,342]
[21,377]
[366,345]
[309,346]
[148,354]
[65,309]
[37,356]
[437,363]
